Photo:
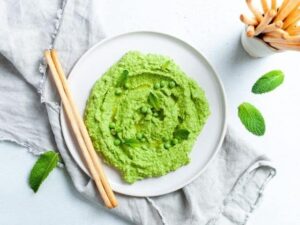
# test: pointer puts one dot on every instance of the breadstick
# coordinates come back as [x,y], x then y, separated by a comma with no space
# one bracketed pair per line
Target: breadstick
[292,18]
[265,6]
[278,24]
[283,40]
[283,5]
[268,38]
[291,5]
[265,21]
[274,5]
[292,39]
[277,33]
[250,31]
[273,27]
[248,21]
[254,10]
[285,46]
[291,21]
[292,25]
[294,11]
[293,30]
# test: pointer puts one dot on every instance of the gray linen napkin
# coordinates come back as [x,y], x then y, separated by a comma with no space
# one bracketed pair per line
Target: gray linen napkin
[226,193]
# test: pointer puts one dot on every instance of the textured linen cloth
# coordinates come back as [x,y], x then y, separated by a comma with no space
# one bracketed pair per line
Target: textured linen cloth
[226,193]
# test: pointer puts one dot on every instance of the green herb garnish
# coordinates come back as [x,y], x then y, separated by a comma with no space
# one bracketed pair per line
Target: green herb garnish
[252,119]
[123,78]
[131,142]
[181,134]
[153,100]
[165,65]
[268,82]
[41,169]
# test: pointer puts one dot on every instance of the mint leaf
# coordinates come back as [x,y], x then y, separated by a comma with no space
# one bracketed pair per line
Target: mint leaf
[41,169]
[165,65]
[252,119]
[123,78]
[131,142]
[268,82]
[181,134]
[153,100]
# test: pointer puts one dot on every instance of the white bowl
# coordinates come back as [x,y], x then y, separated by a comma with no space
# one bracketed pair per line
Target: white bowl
[256,47]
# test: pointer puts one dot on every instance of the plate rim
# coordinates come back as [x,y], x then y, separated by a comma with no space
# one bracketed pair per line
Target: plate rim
[216,76]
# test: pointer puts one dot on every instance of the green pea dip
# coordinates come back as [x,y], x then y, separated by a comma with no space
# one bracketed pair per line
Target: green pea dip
[144,115]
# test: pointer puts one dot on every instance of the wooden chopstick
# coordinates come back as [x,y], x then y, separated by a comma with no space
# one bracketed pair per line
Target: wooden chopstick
[99,178]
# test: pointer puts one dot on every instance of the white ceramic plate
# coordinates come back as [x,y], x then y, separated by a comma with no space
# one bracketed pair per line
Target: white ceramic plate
[99,58]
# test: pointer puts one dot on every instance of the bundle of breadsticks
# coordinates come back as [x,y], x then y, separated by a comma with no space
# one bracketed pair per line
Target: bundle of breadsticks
[275,24]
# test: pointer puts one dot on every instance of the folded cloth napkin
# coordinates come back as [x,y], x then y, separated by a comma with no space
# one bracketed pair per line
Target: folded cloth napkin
[226,193]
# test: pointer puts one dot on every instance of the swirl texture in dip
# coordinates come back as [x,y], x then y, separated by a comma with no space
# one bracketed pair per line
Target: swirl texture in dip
[144,115]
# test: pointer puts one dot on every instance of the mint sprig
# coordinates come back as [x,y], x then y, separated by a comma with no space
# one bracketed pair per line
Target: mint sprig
[181,134]
[153,100]
[131,142]
[123,78]
[252,119]
[268,82]
[165,65]
[42,168]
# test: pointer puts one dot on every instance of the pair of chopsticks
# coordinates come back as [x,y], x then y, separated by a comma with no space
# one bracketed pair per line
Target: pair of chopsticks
[275,24]
[80,130]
